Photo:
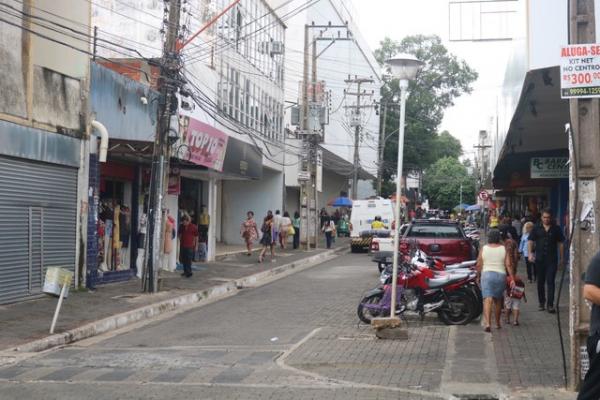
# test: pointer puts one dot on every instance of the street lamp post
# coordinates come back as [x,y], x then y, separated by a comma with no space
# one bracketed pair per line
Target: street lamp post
[403,67]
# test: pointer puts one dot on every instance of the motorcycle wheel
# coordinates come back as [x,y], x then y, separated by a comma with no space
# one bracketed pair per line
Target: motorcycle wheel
[364,314]
[459,309]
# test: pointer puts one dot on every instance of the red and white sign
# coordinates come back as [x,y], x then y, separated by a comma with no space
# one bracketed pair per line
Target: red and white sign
[580,71]
[206,144]
[483,195]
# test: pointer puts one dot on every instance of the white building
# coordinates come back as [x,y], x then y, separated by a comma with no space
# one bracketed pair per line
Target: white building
[242,73]
[337,60]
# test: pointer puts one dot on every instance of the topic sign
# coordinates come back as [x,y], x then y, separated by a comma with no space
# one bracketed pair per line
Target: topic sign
[580,71]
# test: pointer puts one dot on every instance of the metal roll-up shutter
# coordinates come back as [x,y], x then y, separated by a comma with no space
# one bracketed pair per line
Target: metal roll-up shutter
[38,215]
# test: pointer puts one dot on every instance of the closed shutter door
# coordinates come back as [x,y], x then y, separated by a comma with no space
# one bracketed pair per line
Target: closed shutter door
[38,214]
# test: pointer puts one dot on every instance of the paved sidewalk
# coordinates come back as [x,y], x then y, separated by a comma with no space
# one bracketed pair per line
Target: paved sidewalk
[28,321]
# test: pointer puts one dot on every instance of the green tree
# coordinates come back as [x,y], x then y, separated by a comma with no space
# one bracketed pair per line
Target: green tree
[443,78]
[442,183]
[446,145]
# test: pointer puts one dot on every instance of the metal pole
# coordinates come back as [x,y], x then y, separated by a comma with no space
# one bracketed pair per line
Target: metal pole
[403,88]
[313,142]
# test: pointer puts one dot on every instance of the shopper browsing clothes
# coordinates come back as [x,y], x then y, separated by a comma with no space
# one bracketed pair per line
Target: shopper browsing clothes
[249,231]
[546,240]
[590,388]
[188,236]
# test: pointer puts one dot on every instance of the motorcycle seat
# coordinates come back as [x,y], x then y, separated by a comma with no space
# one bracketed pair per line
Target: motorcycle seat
[444,280]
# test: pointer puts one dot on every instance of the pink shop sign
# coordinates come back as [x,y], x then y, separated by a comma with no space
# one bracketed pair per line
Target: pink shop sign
[206,145]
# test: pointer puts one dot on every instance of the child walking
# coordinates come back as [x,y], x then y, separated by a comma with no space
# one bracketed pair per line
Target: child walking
[515,292]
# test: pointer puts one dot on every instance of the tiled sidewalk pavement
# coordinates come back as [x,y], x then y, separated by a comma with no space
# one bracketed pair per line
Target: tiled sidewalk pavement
[529,354]
[30,320]
[523,362]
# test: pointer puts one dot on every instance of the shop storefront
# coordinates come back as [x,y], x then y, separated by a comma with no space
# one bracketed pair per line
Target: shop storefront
[38,207]
[118,188]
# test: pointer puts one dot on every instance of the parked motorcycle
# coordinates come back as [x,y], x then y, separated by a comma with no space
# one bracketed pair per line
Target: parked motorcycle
[422,290]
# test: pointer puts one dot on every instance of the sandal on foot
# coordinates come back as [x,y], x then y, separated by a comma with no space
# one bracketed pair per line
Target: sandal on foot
[487,329]
[516,323]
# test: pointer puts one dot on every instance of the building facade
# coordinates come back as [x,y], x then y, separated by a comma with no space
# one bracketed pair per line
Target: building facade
[43,133]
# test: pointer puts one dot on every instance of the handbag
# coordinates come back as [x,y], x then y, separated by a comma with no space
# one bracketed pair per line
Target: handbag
[291,230]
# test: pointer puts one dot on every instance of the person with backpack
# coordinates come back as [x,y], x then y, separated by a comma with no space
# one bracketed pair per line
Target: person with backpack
[268,239]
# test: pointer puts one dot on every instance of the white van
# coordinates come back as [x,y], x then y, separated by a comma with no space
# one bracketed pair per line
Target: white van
[365,211]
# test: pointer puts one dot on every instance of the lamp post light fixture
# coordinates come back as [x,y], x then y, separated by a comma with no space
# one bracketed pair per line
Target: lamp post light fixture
[405,68]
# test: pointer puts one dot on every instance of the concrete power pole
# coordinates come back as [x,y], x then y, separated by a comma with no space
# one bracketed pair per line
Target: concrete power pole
[355,121]
[160,158]
[584,190]
[381,148]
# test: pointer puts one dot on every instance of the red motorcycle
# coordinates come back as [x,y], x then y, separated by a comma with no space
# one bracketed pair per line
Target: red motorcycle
[422,290]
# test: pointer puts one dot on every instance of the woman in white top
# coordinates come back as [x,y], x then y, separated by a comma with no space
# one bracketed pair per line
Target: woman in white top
[284,226]
[492,265]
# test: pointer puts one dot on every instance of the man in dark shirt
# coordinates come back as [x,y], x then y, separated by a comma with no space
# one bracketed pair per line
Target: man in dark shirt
[546,250]
[590,389]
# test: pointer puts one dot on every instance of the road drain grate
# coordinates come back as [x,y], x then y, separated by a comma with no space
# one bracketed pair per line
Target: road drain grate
[475,397]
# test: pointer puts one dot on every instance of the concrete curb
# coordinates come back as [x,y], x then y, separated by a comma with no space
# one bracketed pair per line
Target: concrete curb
[190,299]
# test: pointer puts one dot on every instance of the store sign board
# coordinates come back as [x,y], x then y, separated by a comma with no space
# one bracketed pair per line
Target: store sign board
[206,145]
[580,71]
[549,167]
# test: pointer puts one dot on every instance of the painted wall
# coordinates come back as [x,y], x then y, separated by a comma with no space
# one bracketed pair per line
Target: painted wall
[541,29]
[238,197]
[115,101]
[57,91]
[332,185]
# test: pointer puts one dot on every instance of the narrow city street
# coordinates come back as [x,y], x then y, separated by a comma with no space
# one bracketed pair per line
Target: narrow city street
[297,338]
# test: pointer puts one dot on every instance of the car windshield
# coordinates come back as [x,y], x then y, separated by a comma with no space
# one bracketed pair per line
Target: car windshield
[437,231]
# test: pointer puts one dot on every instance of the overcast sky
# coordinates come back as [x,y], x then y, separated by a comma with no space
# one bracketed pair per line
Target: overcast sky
[399,18]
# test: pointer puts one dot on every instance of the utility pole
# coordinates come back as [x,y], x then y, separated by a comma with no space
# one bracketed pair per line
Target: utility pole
[309,121]
[355,121]
[167,107]
[584,147]
[381,148]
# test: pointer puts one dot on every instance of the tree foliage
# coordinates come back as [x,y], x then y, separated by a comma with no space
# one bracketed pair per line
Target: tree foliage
[442,182]
[443,78]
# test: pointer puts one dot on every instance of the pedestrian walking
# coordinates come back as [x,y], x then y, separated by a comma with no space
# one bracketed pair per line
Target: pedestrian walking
[285,228]
[268,238]
[590,388]
[524,250]
[249,231]
[329,229]
[516,223]
[493,263]
[188,239]
[276,227]
[515,292]
[547,241]
[296,224]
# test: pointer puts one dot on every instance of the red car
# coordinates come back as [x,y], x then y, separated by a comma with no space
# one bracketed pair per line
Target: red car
[443,239]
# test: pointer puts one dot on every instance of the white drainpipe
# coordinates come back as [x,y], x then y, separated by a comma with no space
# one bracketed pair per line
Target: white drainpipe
[103,132]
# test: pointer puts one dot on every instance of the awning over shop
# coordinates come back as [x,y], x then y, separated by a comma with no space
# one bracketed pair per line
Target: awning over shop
[338,165]
[537,128]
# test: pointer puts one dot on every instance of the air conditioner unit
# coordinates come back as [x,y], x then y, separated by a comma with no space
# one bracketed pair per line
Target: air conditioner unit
[277,48]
